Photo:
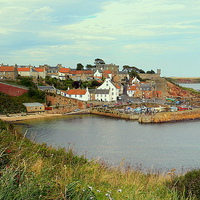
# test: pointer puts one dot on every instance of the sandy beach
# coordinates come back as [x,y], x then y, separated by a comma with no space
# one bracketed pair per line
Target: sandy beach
[14,118]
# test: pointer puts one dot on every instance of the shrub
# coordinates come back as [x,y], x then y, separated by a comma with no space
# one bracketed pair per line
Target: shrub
[189,184]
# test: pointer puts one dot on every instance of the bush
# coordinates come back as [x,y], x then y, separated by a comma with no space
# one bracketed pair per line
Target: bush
[189,184]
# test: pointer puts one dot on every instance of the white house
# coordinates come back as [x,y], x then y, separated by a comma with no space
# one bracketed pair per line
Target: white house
[98,74]
[102,95]
[113,90]
[131,90]
[135,81]
[79,94]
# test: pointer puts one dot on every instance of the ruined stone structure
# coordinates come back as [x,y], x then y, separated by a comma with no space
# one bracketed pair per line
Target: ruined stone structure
[150,76]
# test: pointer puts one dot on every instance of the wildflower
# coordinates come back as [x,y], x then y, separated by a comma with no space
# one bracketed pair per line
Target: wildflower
[98,191]
[8,151]
[90,187]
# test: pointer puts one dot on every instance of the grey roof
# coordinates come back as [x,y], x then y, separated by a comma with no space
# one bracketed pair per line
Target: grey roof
[92,91]
[98,91]
[43,88]
[146,86]
[122,72]
[32,104]
[102,91]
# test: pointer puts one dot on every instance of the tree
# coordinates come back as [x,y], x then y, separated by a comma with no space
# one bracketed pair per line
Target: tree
[98,61]
[27,81]
[150,72]
[141,71]
[95,83]
[79,66]
[88,66]
[133,73]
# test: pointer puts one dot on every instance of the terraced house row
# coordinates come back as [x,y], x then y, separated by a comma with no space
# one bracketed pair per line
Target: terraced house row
[112,80]
[63,73]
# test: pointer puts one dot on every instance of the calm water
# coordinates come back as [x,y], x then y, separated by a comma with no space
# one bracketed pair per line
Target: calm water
[195,86]
[159,146]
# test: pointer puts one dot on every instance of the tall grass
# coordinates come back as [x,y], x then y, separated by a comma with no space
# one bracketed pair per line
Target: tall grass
[36,171]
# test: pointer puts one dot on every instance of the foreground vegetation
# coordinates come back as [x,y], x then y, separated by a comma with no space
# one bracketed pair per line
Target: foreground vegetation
[36,171]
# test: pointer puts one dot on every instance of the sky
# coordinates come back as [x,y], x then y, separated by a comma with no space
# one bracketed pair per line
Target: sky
[147,34]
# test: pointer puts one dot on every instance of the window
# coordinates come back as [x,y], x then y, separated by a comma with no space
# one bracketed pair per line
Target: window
[81,96]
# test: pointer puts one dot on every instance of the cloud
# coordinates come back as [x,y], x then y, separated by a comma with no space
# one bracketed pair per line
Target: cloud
[42,14]
[62,30]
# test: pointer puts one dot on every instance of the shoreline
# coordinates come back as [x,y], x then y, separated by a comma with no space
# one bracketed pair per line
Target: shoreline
[156,118]
[26,117]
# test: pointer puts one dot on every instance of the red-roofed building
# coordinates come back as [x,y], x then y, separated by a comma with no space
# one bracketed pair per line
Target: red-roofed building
[32,72]
[80,94]
[84,75]
[25,71]
[131,90]
[63,73]
[107,74]
[8,72]
[39,72]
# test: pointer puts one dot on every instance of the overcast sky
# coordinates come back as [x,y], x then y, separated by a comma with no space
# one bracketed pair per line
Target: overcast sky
[147,34]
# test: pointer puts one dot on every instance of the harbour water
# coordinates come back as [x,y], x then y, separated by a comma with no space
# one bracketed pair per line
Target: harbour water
[150,146]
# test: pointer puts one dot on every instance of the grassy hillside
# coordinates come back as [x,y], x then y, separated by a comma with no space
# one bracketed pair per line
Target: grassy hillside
[10,104]
[36,171]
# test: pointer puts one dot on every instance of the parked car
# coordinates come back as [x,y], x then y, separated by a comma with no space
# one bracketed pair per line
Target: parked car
[76,110]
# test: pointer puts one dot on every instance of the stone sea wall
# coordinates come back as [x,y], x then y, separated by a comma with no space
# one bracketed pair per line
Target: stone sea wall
[154,118]
[113,113]
[170,116]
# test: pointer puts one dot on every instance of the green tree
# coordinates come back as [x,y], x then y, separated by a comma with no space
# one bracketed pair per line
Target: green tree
[27,81]
[98,61]
[133,73]
[79,66]
[95,83]
[150,72]
[88,66]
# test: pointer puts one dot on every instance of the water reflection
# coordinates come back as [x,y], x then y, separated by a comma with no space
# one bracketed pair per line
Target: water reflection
[165,146]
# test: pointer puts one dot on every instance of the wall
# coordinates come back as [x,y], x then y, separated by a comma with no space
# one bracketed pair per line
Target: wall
[170,116]
[62,104]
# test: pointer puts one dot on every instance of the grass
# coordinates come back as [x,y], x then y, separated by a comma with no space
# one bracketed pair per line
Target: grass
[36,171]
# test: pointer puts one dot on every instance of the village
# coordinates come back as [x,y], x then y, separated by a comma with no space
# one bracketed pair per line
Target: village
[130,91]
[113,81]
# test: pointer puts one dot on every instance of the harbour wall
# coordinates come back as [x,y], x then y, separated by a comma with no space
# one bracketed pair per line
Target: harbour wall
[170,116]
[151,118]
